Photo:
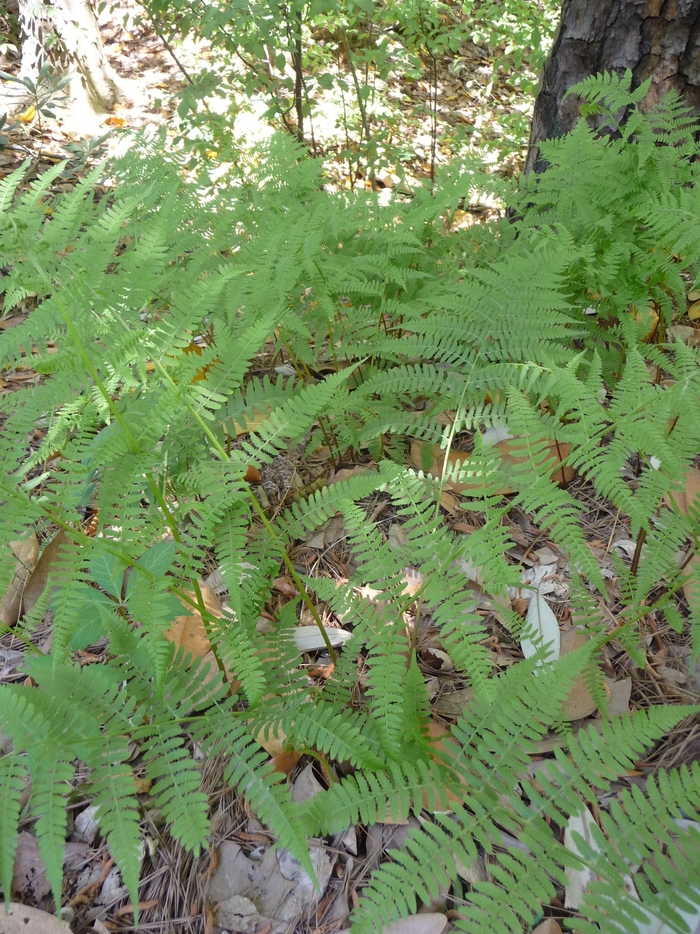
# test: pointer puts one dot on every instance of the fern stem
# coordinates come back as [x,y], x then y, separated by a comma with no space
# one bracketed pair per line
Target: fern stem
[169,517]
[255,502]
[295,577]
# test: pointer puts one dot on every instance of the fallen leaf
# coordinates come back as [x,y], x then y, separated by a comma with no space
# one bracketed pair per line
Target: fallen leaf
[648,317]
[189,632]
[578,880]
[692,488]
[541,630]
[26,552]
[238,913]
[619,700]
[20,919]
[36,584]
[691,588]
[113,120]
[29,873]
[449,502]
[347,472]
[495,433]
[453,703]
[306,786]
[579,703]
[509,450]
[310,639]
[251,422]
[689,336]
[285,586]
[548,926]
[671,675]
[418,924]
[252,474]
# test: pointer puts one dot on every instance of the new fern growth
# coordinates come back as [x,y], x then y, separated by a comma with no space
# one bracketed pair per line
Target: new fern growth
[162,306]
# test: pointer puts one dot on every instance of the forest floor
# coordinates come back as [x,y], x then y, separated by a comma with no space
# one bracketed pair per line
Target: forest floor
[179,892]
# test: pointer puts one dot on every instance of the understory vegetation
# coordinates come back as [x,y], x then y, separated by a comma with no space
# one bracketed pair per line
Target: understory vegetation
[187,337]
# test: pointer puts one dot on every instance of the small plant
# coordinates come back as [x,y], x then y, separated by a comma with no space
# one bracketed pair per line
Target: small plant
[42,95]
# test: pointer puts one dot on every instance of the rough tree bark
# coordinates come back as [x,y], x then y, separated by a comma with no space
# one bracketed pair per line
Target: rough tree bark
[657,39]
[66,33]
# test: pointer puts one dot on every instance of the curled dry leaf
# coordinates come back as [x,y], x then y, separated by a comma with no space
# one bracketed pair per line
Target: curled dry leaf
[26,552]
[285,586]
[36,584]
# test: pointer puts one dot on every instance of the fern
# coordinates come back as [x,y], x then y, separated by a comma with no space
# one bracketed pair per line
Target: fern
[166,313]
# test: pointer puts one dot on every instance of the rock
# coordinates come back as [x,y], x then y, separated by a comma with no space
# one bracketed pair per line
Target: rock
[20,919]
[234,874]
[238,915]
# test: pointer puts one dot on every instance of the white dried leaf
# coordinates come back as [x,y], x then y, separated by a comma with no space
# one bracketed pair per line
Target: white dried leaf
[498,432]
[577,880]
[541,630]
[309,639]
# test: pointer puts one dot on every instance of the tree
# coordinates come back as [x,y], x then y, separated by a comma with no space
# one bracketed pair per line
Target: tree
[657,39]
[66,34]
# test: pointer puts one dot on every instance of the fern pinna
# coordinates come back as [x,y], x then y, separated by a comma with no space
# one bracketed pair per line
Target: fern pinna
[168,312]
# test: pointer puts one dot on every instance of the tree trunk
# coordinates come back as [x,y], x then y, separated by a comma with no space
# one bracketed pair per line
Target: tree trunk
[657,39]
[66,34]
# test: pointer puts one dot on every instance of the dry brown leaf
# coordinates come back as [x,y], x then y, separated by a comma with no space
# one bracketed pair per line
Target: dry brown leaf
[283,760]
[579,703]
[348,472]
[449,502]
[26,552]
[689,495]
[508,450]
[252,474]
[692,488]
[188,631]
[689,335]
[548,926]
[45,565]
[251,422]
[285,586]
[451,705]
[691,589]
[649,317]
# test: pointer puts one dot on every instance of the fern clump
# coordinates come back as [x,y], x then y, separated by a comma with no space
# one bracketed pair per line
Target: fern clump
[157,404]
